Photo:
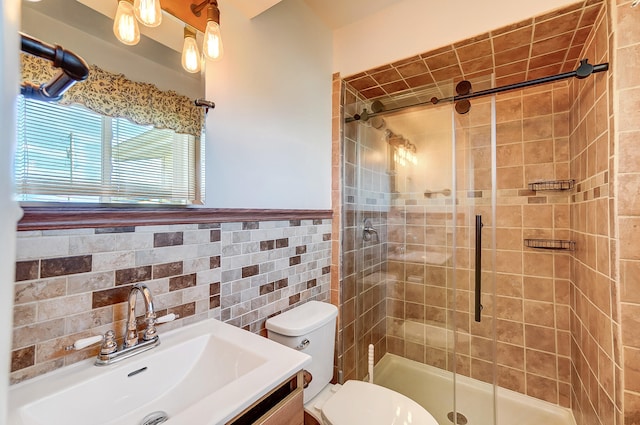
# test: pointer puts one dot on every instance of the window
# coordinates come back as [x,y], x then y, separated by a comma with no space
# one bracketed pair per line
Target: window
[72,154]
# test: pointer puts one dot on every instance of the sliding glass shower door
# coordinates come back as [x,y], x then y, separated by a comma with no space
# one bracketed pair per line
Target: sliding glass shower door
[474,258]
[418,181]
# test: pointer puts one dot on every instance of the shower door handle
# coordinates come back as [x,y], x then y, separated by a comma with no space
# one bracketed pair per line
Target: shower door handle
[478,288]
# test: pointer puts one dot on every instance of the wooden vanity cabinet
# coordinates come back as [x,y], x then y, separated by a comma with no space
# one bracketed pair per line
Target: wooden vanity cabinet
[282,406]
[289,412]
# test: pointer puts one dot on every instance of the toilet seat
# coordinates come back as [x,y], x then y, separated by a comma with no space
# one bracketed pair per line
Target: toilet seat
[362,403]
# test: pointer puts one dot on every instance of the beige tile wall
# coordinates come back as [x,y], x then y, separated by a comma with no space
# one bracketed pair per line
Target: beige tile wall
[626,163]
[71,284]
[595,353]
[532,285]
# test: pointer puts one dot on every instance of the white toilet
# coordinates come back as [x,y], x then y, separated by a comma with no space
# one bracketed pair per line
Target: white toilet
[310,328]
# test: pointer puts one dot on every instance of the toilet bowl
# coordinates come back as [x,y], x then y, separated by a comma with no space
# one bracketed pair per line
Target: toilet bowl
[310,328]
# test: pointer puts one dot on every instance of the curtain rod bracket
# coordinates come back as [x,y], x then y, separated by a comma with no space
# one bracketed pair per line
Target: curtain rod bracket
[584,70]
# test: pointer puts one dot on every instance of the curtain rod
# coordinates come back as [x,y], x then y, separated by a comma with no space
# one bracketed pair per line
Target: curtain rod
[583,71]
[72,69]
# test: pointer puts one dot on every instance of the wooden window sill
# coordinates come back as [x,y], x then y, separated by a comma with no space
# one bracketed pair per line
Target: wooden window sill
[50,218]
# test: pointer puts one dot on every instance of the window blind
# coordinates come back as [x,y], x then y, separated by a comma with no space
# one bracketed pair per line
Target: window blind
[71,154]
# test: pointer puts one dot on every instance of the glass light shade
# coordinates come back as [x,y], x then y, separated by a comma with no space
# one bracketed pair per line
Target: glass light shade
[212,45]
[125,26]
[148,12]
[190,55]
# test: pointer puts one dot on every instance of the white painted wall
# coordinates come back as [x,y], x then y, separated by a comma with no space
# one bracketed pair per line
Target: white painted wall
[269,137]
[9,210]
[417,26]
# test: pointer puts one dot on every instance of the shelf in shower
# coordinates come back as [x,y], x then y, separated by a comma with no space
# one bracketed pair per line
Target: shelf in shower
[552,244]
[552,185]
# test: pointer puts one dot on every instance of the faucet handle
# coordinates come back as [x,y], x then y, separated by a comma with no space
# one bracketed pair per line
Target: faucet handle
[151,331]
[166,318]
[84,342]
[109,345]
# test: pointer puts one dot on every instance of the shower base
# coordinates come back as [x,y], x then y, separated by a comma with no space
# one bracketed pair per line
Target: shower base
[432,388]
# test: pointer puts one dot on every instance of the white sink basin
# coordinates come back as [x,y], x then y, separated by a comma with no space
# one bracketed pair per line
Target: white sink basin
[205,373]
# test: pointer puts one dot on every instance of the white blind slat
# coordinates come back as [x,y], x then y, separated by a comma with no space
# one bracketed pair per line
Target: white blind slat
[71,154]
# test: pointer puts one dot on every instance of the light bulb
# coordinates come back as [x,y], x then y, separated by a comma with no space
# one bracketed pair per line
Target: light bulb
[125,26]
[212,46]
[190,54]
[148,12]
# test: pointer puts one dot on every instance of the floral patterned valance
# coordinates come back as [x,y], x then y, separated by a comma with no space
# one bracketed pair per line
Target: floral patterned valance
[115,96]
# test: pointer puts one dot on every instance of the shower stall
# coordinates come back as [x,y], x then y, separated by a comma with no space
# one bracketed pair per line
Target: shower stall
[420,230]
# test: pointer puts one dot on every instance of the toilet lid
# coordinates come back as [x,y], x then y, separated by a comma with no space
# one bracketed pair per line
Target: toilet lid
[362,403]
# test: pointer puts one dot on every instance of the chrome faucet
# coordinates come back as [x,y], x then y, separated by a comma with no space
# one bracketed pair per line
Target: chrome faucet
[131,337]
[132,345]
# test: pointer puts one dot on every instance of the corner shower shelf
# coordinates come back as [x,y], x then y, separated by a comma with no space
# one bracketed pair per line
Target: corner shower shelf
[552,185]
[554,244]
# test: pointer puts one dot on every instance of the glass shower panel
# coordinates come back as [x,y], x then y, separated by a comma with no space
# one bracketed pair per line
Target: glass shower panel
[398,235]
[374,196]
[415,176]
[365,201]
[419,327]
[474,259]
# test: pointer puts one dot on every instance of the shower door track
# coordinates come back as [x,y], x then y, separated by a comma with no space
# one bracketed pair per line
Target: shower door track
[583,71]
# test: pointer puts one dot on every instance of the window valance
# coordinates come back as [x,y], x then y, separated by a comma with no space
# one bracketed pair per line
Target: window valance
[116,96]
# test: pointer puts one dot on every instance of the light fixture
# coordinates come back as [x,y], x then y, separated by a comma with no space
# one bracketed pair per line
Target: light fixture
[404,152]
[212,46]
[125,26]
[148,12]
[190,54]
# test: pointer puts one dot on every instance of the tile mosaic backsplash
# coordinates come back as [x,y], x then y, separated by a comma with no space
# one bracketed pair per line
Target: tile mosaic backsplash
[71,284]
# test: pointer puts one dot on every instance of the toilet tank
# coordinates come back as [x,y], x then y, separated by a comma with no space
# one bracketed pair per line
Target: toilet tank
[310,328]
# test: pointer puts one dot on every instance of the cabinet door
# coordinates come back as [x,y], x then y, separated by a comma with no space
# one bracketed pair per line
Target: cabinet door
[289,412]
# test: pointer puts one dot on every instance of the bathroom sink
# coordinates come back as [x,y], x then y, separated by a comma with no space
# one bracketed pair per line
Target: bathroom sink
[201,374]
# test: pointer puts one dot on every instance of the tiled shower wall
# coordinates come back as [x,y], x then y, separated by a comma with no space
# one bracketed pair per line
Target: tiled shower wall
[71,284]
[594,318]
[365,196]
[532,286]
[626,162]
